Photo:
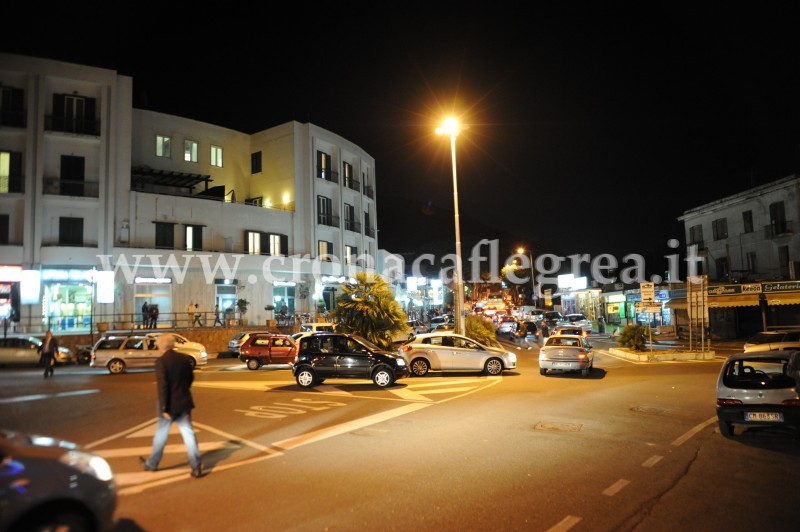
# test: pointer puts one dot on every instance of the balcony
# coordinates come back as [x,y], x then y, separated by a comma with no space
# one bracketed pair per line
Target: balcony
[328,219]
[64,124]
[352,225]
[779,228]
[352,184]
[13,119]
[328,175]
[369,191]
[71,187]
[370,231]
[12,184]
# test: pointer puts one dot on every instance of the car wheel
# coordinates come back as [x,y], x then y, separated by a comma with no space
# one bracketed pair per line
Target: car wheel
[83,357]
[726,429]
[542,371]
[494,366]
[420,367]
[305,377]
[116,366]
[253,363]
[383,377]
[193,362]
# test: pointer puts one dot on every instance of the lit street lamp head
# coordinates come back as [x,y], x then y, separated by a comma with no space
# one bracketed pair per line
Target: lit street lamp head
[449,127]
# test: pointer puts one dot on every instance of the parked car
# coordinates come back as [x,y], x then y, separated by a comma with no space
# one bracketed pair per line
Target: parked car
[322,326]
[446,351]
[552,318]
[338,355]
[444,319]
[773,341]
[579,320]
[235,343]
[25,351]
[181,342]
[753,390]
[51,484]
[118,353]
[566,353]
[507,326]
[262,349]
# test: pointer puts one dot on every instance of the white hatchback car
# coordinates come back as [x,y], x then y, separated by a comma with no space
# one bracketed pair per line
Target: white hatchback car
[118,353]
[445,351]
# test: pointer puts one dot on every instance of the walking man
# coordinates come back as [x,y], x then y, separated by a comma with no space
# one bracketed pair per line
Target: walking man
[47,353]
[145,315]
[174,377]
[216,316]
[197,316]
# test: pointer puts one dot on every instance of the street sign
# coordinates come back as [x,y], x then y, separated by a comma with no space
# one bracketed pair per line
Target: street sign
[647,307]
[648,291]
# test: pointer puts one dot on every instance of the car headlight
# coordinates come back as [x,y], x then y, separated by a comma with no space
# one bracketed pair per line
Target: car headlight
[401,362]
[512,357]
[88,463]
[203,354]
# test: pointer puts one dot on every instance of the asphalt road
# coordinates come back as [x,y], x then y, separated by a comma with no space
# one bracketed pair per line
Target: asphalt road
[632,447]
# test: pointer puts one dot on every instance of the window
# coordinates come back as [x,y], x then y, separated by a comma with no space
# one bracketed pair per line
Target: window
[10,172]
[70,231]
[777,218]
[254,242]
[783,260]
[350,254]
[72,175]
[278,244]
[347,168]
[216,156]
[324,211]
[719,228]
[258,240]
[12,107]
[324,250]
[255,162]
[696,236]
[722,268]
[4,238]
[751,262]
[747,221]
[190,151]
[350,222]
[165,235]
[194,237]
[163,146]
[368,229]
[75,114]
[325,167]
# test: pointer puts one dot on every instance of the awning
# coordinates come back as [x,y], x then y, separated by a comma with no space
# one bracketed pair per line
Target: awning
[790,298]
[677,304]
[143,175]
[747,300]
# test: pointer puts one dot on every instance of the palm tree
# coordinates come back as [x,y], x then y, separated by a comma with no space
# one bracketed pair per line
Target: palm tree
[368,308]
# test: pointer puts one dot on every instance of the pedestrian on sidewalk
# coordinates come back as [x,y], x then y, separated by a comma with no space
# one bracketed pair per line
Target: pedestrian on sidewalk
[174,377]
[47,353]
[197,321]
[216,316]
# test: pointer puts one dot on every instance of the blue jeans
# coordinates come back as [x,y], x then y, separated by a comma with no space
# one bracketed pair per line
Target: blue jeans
[184,423]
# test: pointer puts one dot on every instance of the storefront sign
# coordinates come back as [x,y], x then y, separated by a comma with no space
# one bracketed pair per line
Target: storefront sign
[791,286]
[67,275]
[152,280]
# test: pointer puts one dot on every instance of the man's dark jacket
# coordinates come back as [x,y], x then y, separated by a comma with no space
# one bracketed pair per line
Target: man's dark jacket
[174,377]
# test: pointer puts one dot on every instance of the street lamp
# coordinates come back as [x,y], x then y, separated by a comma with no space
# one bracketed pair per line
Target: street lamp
[534,296]
[451,127]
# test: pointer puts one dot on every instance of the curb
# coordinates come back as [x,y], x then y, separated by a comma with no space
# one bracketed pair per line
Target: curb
[662,355]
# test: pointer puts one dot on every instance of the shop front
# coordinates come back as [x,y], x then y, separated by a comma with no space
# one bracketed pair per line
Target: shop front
[67,300]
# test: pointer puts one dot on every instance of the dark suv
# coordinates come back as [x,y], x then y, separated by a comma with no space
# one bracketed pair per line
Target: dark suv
[338,355]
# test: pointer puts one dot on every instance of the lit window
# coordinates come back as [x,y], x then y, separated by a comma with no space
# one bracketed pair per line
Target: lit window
[254,243]
[216,156]
[163,148]
[275,245]
[190,151]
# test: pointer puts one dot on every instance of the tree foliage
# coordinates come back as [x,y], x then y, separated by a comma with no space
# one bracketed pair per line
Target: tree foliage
[480,329]
[368,308]
[634,337]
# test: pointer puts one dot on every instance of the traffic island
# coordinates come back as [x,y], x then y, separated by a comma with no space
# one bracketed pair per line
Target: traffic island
[660,355]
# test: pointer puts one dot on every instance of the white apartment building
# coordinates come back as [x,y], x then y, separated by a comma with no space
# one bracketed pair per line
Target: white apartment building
[104,207]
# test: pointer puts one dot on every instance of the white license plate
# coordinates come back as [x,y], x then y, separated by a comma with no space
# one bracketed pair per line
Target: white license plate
[562,364]
[763,416]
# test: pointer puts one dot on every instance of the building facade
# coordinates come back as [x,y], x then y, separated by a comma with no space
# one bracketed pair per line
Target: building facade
[104,207]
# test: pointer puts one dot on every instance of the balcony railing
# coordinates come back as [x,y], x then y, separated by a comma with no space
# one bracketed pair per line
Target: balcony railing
[328,219]
[71,187]
[328,175]
[352,225]
[13,119]
[12,184]
[370,231]
[369,191]
[72,125]
[352,184]
[777,229]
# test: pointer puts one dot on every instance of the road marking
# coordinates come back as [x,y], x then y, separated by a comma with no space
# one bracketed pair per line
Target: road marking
[653,460]
[616,487]
[40,396]
[691,432]
[566,523]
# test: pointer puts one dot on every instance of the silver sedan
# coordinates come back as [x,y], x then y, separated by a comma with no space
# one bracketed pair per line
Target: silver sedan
[566,353]
[445,351]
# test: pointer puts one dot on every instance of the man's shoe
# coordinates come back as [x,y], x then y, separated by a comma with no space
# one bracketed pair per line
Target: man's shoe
[145,465]
[197,472]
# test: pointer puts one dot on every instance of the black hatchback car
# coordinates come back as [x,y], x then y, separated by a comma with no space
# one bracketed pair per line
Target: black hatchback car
[338,355]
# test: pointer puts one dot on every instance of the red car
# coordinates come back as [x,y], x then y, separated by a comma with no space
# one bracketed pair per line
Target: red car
[263,349]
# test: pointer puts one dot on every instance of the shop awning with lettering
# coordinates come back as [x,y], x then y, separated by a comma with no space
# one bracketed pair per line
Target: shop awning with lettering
[788,298]
[748,300]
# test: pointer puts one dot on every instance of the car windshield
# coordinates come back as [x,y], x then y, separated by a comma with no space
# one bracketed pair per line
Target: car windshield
[765,338]
[576,317]
[369,345]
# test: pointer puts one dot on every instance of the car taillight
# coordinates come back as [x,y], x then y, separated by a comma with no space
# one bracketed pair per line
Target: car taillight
[790,402]
[728,402]
[407,348]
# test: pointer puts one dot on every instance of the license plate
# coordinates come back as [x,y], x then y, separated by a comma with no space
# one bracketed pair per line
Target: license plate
[562,364]
[763,416]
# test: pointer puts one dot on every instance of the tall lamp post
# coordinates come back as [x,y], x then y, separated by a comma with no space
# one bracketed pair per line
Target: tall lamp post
[534,295]
[451,127]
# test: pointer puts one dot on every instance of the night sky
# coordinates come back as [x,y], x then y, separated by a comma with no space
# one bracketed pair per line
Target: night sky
[590,130]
